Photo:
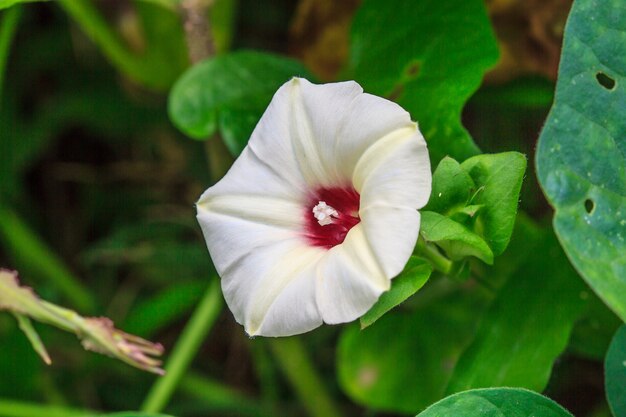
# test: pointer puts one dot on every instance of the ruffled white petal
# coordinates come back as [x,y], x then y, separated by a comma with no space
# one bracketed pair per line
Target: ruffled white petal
[250,175]
[350,279]
[394,180]
[367,120]
[335,124]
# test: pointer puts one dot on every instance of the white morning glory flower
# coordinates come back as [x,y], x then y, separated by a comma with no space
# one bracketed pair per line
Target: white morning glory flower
[319,212]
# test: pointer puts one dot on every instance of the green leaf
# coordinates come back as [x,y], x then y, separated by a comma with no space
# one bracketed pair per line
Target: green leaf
[451,187]
[581,156]
[164,308]
[615,373]
[404,362]
[413,277]
[426,56]
[530,321]
[496,402]
[229,93]
[498,178]
[457,240]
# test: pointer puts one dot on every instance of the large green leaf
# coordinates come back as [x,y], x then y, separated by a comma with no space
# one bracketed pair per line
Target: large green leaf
[615,373]
[581,158]
[498,179]
[496,402]
[403,363]
[413,277]
[529,322]
[229,93]
[428,55]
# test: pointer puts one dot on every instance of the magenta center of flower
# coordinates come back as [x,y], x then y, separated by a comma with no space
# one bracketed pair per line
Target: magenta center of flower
[330,214]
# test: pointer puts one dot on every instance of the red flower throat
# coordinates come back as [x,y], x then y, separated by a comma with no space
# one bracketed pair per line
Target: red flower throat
[330,214]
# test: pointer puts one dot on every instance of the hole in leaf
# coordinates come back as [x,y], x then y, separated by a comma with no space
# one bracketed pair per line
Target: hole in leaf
[605,81]
[589,205]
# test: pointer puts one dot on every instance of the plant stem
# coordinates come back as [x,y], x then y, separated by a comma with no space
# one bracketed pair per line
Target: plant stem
[23,409]
[8,28]
[219,157]
[186,348]
[432,254]
[296,364]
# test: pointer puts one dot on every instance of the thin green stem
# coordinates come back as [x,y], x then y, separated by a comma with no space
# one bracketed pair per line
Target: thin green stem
[296,364]
[432,254]
[23,409]
[218,156]
[8,28]
[113,47]
[33,255]
[186,349]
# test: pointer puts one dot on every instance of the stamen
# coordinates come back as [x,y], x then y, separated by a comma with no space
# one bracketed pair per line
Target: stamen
[324,213]
[335,212]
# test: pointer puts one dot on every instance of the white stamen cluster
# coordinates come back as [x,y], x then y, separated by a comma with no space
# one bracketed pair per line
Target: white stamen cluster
[324,213]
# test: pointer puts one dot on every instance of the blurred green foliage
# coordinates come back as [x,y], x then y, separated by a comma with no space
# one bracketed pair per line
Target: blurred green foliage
[97,189]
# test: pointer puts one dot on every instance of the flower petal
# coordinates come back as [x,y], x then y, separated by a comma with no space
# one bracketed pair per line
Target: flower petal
[350,279]
[392,233]
[239,250]
[368,119]
[394,180]
[285,301]
[251,175]
[272,211]
[267,269]
[342,122]
[284,136]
